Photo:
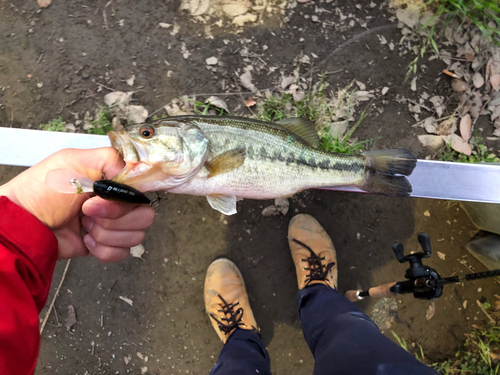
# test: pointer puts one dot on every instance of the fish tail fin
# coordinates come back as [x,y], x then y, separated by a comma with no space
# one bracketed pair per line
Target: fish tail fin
[387,170]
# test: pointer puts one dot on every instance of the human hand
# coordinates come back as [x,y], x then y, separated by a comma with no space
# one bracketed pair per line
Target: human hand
[112,227]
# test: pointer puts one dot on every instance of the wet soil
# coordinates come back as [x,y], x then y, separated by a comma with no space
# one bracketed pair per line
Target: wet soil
[53,63]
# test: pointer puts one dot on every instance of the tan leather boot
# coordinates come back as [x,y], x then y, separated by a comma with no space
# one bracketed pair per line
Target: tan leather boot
[226,299]
[312,252]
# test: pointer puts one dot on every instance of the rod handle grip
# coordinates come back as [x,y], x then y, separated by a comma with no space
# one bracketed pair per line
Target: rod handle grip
[382,291]
[353,295]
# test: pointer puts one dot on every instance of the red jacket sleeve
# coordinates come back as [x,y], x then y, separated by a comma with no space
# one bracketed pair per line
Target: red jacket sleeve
[28,253]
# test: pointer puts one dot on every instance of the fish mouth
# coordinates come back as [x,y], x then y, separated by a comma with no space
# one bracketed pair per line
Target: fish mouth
[133,153]
[130,150]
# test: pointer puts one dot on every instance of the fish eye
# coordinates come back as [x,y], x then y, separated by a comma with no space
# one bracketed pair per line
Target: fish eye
[147,131]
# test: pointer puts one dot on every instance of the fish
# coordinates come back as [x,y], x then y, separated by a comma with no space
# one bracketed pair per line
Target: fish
[227,159]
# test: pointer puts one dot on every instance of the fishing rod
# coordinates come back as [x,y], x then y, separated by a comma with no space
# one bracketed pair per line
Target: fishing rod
[423,281]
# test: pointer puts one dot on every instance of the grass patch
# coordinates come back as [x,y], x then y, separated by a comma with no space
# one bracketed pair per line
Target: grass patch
[482,13]
[480,154]
[402,342]
[56,125]
[101,124]
[475,357]
[327,111]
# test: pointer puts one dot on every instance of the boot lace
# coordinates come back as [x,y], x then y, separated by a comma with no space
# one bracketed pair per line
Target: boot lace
[227,325]
[317,270]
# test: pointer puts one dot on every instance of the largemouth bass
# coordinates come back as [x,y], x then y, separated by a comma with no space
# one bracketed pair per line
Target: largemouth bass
[231,158]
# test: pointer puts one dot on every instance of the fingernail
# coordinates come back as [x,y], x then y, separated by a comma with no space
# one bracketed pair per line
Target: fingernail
[89,241]
[88,223]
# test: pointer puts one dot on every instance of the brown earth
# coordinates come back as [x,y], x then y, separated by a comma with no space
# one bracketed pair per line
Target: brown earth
[67,48]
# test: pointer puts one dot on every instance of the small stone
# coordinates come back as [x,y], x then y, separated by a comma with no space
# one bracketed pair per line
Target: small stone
[212,60]
[427,213]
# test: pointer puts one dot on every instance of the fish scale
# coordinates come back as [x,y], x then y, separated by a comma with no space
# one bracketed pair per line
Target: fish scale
[287,162]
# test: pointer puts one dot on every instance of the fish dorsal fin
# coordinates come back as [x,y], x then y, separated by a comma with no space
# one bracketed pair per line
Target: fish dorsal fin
[223,203]
[226,162]
[302,127]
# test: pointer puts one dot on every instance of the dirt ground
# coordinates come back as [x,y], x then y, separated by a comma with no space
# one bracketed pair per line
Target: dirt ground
[51,62]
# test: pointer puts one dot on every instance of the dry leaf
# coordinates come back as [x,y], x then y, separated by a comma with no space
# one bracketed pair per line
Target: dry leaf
[434,142]
[298,95]
[241,20]
[70,317]
[127,359]
[458,144]
[246,81]
[131,80]
[414,108]
[408,16]
[458,85]
[441,255]
[281,205]
[137,251]
[217,102]
[127,300]
[287,81]
[361,85]
[438,101]
[338,128]
[233,9]
[136,114]
[118,97]
[465,125]
[430,124]
[250,102]
[364,95]
[431,310]
[495,81]
[447,127]
[44,3]
[478,80]
[413,85]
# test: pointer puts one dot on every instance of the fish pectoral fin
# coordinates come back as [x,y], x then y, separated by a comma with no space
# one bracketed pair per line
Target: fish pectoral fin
[226,162]
[223,203]
[302,127]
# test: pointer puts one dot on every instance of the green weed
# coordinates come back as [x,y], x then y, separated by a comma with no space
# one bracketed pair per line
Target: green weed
[473,358]
[321,109]
[202,109]
[402,342]
[480,154]
[102,123]
[56,125]
[479,12]
[475,355]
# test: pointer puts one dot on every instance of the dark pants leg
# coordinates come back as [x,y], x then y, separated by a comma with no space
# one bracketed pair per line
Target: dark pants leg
[243,354]
[345,341]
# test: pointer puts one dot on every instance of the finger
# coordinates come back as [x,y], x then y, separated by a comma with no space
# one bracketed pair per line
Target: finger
[98,207]
[105,160]
[113,237]
[139,218]
[105,253]
[70,244]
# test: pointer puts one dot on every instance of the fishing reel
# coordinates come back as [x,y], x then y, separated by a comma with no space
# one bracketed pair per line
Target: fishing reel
[422,280]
